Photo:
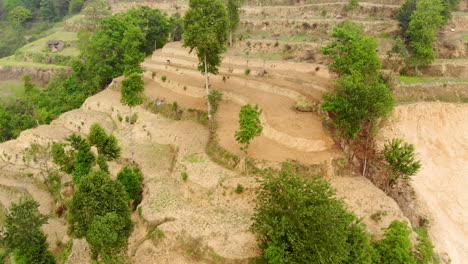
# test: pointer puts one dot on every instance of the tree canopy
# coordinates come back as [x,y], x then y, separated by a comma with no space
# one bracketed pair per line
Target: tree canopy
[96,206]
[206,30]
[353,51]
[298,220]
[362,95]
[23,233]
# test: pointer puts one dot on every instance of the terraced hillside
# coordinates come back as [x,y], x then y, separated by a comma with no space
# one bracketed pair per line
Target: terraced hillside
[276,63]
[201,220]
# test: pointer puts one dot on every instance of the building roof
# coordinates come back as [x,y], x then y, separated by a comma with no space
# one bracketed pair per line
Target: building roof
[53,42]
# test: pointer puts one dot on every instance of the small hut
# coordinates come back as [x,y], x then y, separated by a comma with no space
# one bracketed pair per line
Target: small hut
[55,45]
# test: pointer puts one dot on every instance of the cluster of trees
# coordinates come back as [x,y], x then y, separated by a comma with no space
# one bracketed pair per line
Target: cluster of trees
[297,219]
[420,20]
[99,210]
[362,95]
[116,47]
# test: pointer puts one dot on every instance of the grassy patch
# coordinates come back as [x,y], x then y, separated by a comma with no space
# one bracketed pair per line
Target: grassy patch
[415,80]
[40,45]
[262,56]
[13,88]
[193,158]
[10,61]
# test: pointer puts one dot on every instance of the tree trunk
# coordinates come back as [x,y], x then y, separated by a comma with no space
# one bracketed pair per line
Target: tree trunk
[365,150]
[230,38]
[131,135]
[207,91]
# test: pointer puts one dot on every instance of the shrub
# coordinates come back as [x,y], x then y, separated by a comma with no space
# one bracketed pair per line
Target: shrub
[396,245]
[247,71]
[239,188]
[131,179]
[297,219]
[184,176]
[400,159]
[163,78]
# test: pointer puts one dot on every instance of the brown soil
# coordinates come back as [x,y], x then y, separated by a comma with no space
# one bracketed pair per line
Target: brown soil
[438,131]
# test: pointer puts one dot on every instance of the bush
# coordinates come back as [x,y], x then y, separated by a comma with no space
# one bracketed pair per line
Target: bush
[247,71]
[352,4]
[395,248]
[131,178]
[297,219]
[163,78]
[184,176]
[400,159]
[239,188]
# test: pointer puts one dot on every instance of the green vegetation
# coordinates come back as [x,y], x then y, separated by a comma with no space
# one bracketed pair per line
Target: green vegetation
[420,21]
[184,176]
[131,91]
[250,127]
[131,179]
[239,189]
[112,49]
[206,30]
[12,88]
[233,7]
[98,212]
[400,159]
[352,4]
[362,95]
[297,219]
[416,80]
[76,158]
[396,247]
[215,97]
[23,235]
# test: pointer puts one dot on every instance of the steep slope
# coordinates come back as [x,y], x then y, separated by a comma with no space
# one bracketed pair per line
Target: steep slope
[438,131]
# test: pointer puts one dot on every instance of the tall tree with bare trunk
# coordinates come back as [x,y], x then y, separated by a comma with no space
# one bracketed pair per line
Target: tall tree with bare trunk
[206,31]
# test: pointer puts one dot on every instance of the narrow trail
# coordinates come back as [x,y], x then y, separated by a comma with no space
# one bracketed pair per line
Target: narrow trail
[288,134]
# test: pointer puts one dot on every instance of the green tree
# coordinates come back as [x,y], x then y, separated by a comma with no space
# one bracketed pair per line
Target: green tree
[75,6]
[395,248]
[131,179]
[28,84]
[362,96]
[78,160]
[132,44]
[131,95]
[46,10]
[84,158]
[23,234]
[250,127]
[96,205]
[206,30]
[297,219]
[353,51]
[19,15]
[176,23]
[425,20]
[405,12]
[233,7]
[357,102]
[400,159]
[107,145]
[108,235]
